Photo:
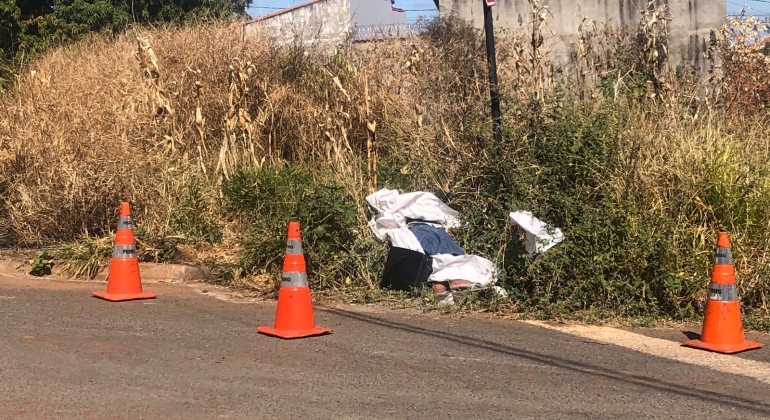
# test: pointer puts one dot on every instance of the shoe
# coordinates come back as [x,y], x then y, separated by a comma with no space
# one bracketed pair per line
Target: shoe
[446,298]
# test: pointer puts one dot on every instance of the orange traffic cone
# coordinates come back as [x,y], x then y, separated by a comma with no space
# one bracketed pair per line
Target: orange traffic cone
[722,326]
[294,315]
[124,282]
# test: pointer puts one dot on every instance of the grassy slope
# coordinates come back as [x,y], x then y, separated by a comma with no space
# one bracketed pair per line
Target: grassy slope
[218,141]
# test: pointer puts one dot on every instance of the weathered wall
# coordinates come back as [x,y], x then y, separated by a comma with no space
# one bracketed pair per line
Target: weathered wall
[376,19]
[321,24]
[375,12]
[692,21]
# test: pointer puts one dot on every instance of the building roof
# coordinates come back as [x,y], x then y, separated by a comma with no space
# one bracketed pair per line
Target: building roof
[759,44]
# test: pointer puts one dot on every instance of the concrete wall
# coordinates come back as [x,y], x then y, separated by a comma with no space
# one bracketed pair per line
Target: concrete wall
[689,28]
[375,12]
[376,19]
[321,24]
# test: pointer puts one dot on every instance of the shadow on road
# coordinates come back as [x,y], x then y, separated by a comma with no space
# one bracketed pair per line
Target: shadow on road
[598,371]
[691,335]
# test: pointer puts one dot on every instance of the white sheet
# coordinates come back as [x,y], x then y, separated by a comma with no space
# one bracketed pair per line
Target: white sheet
[463,267]
[404,238]
[389,223]
[392,209]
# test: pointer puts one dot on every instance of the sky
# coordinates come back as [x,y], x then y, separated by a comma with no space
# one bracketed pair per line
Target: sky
[754,7]
[416,8]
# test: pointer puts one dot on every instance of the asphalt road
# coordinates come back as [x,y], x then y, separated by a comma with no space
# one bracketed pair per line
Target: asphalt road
[66,355]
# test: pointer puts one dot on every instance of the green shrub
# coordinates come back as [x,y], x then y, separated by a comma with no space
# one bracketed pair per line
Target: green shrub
[268,199]
[192,216]
[85,257]
[617,255]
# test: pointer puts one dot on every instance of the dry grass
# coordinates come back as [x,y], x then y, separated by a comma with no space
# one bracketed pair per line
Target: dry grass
[163,118]
[102,121]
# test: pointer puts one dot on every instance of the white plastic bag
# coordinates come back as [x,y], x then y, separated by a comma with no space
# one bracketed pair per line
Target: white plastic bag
[537,237]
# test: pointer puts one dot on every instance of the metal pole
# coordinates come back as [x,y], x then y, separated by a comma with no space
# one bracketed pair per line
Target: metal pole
[492,68]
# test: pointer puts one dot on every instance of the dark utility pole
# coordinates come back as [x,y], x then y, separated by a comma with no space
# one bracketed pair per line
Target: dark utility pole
[489,32]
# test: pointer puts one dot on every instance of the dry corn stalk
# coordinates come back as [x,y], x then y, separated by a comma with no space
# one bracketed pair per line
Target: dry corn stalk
[155,93]
[371,139]
[200,124]
[653,28]
[239,141]
[542,81]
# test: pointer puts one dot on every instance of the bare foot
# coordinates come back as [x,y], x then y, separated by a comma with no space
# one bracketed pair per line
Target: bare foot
[439,288]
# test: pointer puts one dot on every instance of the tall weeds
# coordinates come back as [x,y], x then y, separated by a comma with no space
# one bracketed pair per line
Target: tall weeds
[218,141]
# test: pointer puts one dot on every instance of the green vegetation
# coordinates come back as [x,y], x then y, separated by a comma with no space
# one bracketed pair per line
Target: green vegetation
[28,28]
[41,264]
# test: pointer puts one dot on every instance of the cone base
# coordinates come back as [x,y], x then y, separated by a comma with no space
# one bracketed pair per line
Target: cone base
[120,297]
[289,334]
[723,348]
